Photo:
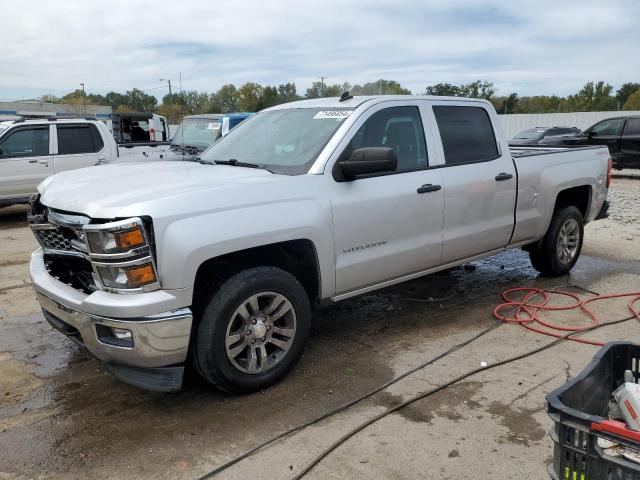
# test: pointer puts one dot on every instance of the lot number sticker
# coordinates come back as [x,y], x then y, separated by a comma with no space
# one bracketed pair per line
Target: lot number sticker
[332,114]
[213,126]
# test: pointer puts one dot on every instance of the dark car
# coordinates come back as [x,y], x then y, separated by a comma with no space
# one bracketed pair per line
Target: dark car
[620,134]
[533,136]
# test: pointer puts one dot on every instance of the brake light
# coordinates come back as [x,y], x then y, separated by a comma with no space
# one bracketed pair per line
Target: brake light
[609,172]
[152,135]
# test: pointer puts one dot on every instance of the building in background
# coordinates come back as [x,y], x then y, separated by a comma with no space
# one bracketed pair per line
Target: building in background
[35,108]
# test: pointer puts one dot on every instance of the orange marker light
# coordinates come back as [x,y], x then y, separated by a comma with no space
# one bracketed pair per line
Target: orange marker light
[142,275]
[129,238]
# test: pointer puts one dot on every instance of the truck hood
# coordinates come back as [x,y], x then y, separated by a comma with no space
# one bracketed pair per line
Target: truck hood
[111,191]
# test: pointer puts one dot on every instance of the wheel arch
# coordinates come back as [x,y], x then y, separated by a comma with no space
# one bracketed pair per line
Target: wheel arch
[578,196]
[299,257]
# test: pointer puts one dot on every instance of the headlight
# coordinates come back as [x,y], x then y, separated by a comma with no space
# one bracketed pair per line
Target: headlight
[117,237]
[127,277]
[121,256]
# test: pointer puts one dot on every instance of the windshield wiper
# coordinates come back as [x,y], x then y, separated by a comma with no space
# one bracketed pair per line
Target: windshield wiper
[235,163]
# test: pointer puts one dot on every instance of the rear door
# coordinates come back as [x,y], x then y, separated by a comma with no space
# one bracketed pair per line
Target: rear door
[630,144]
[78,145]
[25,159]
[387,226]
[479,181]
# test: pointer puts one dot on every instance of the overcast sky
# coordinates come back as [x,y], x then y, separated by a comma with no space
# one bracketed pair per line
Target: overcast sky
[531,47]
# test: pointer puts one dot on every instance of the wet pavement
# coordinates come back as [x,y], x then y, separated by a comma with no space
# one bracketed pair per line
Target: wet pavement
[62,416]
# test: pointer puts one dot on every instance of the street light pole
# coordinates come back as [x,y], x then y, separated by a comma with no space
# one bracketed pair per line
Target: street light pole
[84,99]
[170,97]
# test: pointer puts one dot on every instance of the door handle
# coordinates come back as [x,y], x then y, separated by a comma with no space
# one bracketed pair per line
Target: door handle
[501,177]
[44,161]
[429,188]
[33,161]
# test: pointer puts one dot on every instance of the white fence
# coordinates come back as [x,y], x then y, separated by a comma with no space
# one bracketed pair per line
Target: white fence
[516,122]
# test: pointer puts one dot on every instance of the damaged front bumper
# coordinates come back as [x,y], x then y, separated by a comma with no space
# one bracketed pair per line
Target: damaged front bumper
[146,350]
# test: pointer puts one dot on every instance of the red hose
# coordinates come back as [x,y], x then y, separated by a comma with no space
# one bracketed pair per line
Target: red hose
[532,322]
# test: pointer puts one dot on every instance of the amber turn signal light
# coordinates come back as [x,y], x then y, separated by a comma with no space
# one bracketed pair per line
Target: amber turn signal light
[141,275]
[129,238]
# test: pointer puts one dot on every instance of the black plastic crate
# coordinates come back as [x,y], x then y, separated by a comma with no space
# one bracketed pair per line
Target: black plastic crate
[578,410]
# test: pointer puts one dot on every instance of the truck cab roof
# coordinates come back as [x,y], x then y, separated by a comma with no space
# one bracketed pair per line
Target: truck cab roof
[356,101]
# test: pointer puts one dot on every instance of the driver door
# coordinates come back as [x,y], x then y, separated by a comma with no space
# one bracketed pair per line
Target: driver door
[25,159]
[388,225]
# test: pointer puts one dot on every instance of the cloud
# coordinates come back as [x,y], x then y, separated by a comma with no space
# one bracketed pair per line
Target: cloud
[537,47]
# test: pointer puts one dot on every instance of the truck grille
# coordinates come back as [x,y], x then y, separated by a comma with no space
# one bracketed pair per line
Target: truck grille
[57,239]
[62,239]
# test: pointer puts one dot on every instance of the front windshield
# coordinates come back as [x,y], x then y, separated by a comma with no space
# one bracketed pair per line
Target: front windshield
[198,132]
[529,134]
[283,141]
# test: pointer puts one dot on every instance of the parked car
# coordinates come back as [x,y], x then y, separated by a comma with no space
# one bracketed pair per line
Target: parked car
[219,262]
[194,135]
[31,150]
[533,136]
[620,134]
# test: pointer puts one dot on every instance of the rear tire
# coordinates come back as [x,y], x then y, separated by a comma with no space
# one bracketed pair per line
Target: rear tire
[253,330]
[561,245]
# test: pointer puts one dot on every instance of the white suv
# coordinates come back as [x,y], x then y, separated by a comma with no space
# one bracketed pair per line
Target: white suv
[31,150]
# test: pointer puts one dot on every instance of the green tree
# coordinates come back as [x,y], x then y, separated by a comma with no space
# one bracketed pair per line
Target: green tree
[592,97]
[477,89]
[625,91]
[140,101]
[287,92]
[539,104]
[249,96]
[443,90]
[633,101]
[226,98]
[115,99]
[320,89]
[379,87]
[506,104]
[269,97]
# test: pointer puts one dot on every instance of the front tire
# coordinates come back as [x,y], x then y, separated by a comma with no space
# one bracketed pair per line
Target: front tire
[253,330]
[561,245]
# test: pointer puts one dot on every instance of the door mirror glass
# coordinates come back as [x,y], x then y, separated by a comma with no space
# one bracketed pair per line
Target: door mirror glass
[368,161]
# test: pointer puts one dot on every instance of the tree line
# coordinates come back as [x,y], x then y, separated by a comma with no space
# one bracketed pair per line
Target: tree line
[251,97]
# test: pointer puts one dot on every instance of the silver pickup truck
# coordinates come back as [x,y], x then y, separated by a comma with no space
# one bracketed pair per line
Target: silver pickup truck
[218,263]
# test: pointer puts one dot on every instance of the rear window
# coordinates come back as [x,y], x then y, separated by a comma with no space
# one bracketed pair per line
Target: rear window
[467,134]
[73,139]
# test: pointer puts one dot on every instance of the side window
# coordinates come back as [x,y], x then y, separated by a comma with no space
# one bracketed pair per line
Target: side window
[234,121]
[399,128]
[466,133]
[632,127]
[553,131]
[74,139]
[608,127]
[25,142]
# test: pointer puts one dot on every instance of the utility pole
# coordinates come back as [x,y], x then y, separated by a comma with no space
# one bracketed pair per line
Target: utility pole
[84,100]
[170,97]
[322,86]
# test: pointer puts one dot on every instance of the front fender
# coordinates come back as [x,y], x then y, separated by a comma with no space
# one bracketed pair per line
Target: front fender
[186,243]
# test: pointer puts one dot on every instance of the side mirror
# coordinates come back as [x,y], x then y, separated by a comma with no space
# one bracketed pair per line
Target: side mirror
[589,134]
[366,161]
